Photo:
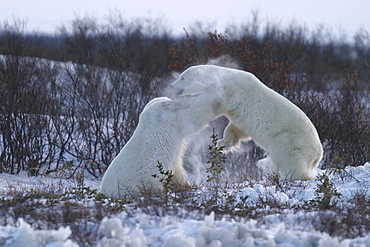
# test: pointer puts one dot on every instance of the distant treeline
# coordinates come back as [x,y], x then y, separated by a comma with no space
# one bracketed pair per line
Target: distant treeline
[77,95]
[144,47]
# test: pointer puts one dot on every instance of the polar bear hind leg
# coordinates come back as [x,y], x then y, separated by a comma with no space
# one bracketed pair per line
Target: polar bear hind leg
[293,166]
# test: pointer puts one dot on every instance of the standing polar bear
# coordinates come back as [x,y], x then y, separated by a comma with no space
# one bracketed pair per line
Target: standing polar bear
[159,137]
[259,113]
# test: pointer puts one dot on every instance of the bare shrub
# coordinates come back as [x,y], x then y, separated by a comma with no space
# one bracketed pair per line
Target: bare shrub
[106,104]
[26,101]
[341,118]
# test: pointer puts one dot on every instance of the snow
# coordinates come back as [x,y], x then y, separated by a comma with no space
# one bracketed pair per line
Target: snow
[142,229]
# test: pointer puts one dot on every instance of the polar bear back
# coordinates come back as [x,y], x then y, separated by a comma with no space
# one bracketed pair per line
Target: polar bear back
[263,112]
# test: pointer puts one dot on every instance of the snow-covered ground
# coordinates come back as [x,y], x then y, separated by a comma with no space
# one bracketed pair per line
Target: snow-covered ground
[137,228]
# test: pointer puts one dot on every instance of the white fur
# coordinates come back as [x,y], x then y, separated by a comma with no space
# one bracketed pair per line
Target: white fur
[159,136]
[259,113]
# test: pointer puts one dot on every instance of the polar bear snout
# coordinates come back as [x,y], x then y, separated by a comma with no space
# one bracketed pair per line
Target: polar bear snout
[178,91]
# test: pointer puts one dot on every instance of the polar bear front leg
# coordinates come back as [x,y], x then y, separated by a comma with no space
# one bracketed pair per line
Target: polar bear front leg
[233,137]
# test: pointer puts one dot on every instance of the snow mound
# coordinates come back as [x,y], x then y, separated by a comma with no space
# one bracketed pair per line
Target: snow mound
[25,235]
[170,232]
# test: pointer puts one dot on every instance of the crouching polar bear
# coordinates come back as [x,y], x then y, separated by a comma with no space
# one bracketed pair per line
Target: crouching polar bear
[159,137]
[259,113]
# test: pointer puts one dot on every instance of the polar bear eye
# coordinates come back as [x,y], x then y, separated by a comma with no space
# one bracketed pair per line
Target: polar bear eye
[182,78]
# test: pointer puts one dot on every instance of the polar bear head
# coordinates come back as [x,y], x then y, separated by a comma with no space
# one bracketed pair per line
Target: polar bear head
[195,80]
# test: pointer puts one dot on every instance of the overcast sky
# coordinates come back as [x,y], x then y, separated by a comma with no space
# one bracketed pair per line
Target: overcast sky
[348,16]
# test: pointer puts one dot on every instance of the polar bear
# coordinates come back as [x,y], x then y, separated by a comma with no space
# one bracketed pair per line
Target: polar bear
[159,137]
[259,113]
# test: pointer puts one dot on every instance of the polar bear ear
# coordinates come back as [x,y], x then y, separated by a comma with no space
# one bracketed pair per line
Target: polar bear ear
[175,74]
